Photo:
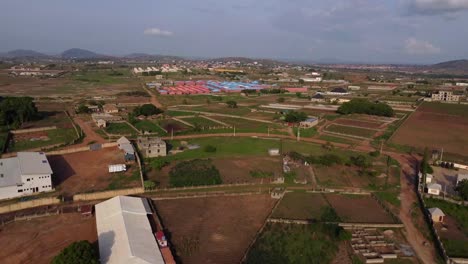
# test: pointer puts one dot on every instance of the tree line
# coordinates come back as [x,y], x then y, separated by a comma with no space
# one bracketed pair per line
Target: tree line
[364,106]
[14,111]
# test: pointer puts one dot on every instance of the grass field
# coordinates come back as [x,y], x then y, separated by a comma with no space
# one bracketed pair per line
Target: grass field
[146,125]
[120,129]
[352,131]
[300,205]
[436,126]
[306,132]
[202,122]
[249,126]
[336,139]
[288,244]
[178,113]
[55,136]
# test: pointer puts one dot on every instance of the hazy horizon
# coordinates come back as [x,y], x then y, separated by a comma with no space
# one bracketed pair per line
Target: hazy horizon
[365,31]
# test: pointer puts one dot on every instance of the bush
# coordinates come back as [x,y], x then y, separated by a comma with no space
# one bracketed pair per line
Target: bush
[328,214]
[149,185]
[158,163]
[295,117]
[147,110]
[194,173]
[231,104]
[81,252]
[374,153]
[210,148]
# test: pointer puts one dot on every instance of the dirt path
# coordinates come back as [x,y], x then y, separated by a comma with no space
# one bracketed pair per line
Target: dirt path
[154,98]
[91,136]
[408,198]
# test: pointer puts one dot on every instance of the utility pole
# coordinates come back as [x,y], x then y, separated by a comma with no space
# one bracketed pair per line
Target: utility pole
[172,133]
[234,131]
[441,154]
[298,133]
[381,146]
[268,131]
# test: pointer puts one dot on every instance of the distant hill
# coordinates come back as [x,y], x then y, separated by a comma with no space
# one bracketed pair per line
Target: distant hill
[76,53]
[151,57]
[455,66]
[22,53]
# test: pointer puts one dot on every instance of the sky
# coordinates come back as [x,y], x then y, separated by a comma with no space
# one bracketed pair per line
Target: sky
[371,31]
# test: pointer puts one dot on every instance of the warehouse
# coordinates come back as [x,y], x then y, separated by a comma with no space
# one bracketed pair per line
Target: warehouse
[124,231]
[28,173]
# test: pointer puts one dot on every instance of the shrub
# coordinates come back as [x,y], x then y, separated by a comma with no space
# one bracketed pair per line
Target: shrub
[158,163]
[149,185]
[81,252]
[295,117]
[231,104]
[194,173]
[210,148]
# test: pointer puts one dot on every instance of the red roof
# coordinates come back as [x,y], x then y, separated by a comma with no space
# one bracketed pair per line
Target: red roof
[160,235]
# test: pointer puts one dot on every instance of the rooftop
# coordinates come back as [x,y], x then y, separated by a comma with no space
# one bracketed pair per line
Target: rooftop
[26,163]
[436,211]
[124,231]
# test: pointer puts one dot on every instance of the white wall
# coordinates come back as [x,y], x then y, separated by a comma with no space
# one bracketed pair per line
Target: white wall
[42,182]
[9,192]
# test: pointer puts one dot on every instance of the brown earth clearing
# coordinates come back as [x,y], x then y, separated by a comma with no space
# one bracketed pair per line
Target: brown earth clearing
[300,205]
[88,171]
[358,209]
[40,240]
[436,126]
[216,229]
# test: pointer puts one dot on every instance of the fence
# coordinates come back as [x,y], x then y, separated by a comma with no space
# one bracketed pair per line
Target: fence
[29,204]
[106,194]
[80,149]
[31,130]
[344,225]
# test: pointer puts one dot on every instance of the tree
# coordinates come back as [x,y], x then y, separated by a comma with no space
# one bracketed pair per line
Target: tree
[82,109]
[425,166]
[364,106]
[298,95]
[295,117]
[462,189]
[360,161]
[147,110]
[231,104]
[280,100]
[15,111]
[81,252]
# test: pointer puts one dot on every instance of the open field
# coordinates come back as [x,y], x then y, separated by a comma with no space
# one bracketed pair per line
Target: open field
[358,123]
[49,118]
[150,126]
[172,125]
[215,229]
[358,209]
[82,83]
[300,205]
[201,122]
[249,126]
[88,171]
[339,176]
[40,240]
[436,126]
[120,129]
[35,140]
[352,131]
[232,170]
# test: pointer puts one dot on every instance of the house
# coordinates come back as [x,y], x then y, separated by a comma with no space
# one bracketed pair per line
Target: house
[110,109]
[446,96]
[101,123]
[308,123]
[338,91]
[152,146]
[434,188]
[124,144]
[105,117]
[124,232]
[312,79]
[354,87]
[461,177]
[429,178]
[317,98]
[437,215]
[27,173]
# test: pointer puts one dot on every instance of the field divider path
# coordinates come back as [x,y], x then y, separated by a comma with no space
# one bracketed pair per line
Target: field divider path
[214,120]
[224,115]
[183,121]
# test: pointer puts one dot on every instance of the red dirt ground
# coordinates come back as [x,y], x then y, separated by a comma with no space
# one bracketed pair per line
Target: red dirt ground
[86,171]
[358,209]
[426,128]
[39,240]
[216,229]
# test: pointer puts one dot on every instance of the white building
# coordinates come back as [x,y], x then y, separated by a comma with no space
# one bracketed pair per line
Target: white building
[124,232]
[445,96]
[437,215]
[312,79]
[434,188]
[461,84]
[25,174]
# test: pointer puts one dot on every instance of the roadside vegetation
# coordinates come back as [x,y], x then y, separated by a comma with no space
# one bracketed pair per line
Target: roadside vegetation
[194,173]
[364,106]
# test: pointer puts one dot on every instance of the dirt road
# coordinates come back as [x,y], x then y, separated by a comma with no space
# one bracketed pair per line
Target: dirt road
[90,135]
[408,197]
[154,98]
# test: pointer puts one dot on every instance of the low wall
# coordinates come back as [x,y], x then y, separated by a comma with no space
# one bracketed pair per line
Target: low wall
[31,130]
[29,204]
[80,149]
[106,194]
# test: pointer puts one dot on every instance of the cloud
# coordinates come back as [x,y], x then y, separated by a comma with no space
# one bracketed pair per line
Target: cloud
[436,7]
[420,47]
[157,32]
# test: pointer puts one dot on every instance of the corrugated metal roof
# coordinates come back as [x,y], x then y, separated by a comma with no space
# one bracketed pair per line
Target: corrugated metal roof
[124,232]
[436,211]
[33,163]
[9,172]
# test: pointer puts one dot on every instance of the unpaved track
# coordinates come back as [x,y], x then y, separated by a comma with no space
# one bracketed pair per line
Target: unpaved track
[408,196]
[154,98]
[90,135]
